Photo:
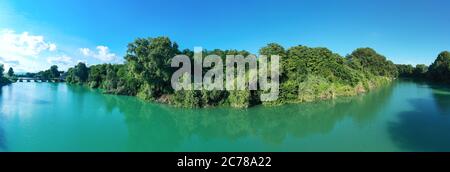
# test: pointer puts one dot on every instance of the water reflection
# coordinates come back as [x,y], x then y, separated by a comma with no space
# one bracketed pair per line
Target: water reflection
[40,102]
[77,93]
[441,95]
[2,131]
[155,127]
[422,129]
[2,135]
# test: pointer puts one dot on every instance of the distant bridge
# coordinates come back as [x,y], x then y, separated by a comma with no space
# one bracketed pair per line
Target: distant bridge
[27,79]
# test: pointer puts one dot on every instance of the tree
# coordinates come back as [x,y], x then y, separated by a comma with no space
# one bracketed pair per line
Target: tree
[369,60]
[11,72]
[49,73]
[420,70]
[149,61]
[440,69]
[78,74]
[97,74]
[111,79]
[2,69]
[302,61]
[405,70]
[54,71]
[3,80]
[81,71]
[273,49]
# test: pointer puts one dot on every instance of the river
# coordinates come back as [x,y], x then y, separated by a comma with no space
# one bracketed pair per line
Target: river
[403,116]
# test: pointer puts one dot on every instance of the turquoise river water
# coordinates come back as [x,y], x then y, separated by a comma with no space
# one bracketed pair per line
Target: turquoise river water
[404,116]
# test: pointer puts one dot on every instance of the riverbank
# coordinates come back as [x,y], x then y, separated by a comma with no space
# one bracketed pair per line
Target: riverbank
[4,81]
[315,89]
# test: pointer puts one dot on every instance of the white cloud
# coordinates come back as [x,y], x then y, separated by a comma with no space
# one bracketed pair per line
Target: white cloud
[101,54]
[52,47]
[11,63]
[22,50]
[23,44]
[60,60]
[85,51]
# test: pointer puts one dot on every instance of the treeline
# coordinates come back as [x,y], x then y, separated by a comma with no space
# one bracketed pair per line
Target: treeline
[50,73]
[53,72]
[409,71]
[4,80]
[438,71]
[307,74]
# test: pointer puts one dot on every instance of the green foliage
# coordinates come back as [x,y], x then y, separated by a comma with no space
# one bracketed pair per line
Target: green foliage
[304,61]
[45,74]
[187,98]
[273,49]
[239,98]
[78,74]
[2,70]
[213,97]
[367,59]
[405,70]
[408,71]
[440,69]
[420,71]
[10,72]
[149,61]
[81,72]
[3,80]
[97,74]
[127,85]
[307,74]
[54,71]
[111,78]
[27,75]
[49,73]
[310,72]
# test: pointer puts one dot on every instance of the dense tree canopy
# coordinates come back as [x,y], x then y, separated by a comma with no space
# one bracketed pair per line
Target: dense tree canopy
[369,60]
[149,62]
[307,74]
[409,71]
[440,69]
[420,70]
[49,73]
[78,74]
[54,71]
[405,70]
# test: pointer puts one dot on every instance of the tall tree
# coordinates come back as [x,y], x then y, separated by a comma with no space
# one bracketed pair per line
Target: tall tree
[149,61]
[11,72]
[54,71]
[81,72]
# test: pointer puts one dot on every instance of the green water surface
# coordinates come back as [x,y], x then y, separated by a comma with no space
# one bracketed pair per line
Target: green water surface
[404,116]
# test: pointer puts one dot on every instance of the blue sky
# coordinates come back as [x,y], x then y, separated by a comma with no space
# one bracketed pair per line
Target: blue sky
[37,34]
